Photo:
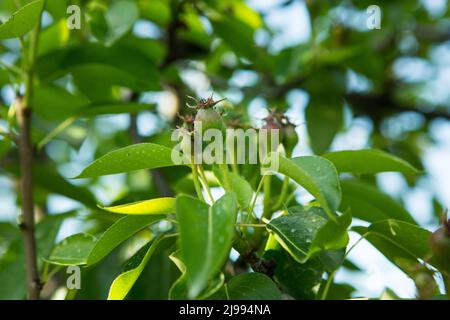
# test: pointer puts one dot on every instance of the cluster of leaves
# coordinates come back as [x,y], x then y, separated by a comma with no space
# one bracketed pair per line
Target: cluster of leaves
[180,245]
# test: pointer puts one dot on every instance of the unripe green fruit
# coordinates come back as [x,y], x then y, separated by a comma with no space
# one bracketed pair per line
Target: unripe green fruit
[426,286]
[440,245]
[210,119]
[290,139]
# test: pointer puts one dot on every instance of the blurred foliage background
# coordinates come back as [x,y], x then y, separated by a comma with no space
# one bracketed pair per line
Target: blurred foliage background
[123,77]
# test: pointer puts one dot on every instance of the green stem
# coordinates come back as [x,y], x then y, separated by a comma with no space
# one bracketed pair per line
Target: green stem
[198,187]
[283,194]
[252,207]
[204,181]
[331,276]
[267,211]
[251,225]
[327,286]
[226,176]
[60,128]
[30,65]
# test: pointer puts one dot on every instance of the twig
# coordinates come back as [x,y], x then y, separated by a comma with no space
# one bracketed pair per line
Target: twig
[27,224]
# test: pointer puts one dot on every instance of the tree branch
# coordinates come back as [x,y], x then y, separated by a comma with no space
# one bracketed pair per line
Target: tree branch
[27,223]
[382,105]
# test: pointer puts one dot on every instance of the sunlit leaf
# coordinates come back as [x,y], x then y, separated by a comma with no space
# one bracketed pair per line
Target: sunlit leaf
[125,281]
[153,206]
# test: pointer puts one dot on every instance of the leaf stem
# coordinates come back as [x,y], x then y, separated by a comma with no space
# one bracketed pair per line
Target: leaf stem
[205,183]
[56,131]
[226,176]
[267,211]
[283,194]
[251,225]
[198,187]
[252,207]
[327,286]
[331,276]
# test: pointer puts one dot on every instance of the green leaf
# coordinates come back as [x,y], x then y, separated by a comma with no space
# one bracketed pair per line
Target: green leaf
[100,65]
[160,272]
[120,231]
[318,176]
[338,291]
[53,37]
[305,232]
[206,234]
[47,178]
[236,34]
[92,110]
[179,289]
[400,242]
[297,279]
[249,286]
[120,17]
[73,250]
[22,21]
[125,281]
[131,158]
[153,206]
[323,120]
[368,203]
[105,108]
[54,103]
[157,11]
[239,185]
[368,162]
[12,263]
[332,235]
